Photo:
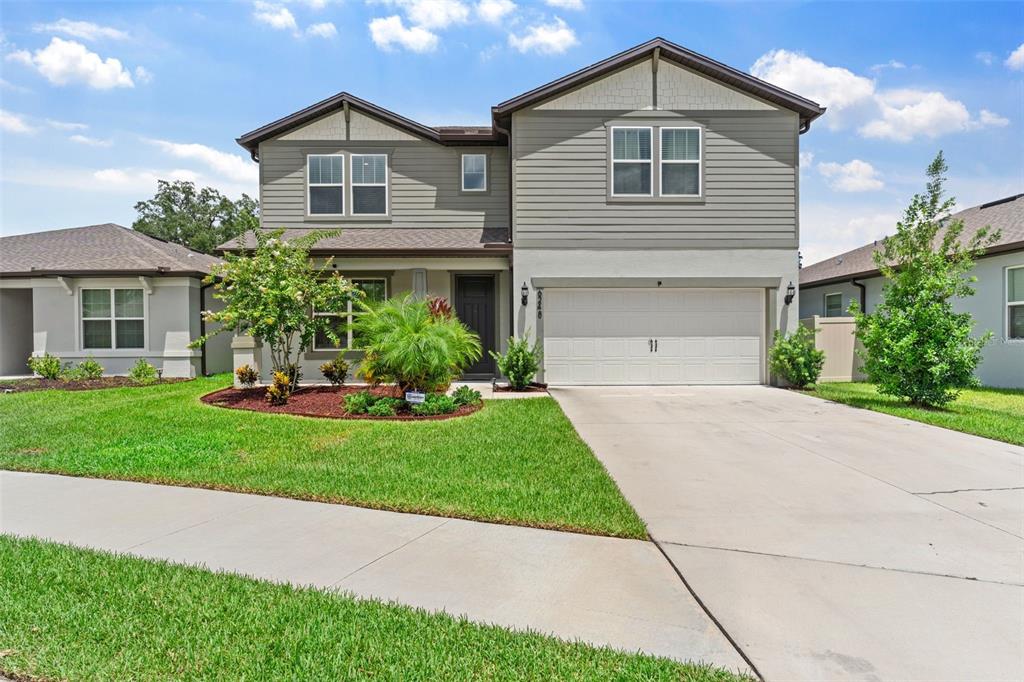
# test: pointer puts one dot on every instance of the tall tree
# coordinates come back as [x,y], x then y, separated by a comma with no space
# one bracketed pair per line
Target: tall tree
[915,345]
[201,219]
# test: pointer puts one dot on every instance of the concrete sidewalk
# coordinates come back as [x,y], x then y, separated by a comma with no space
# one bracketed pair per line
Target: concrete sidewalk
[606,591]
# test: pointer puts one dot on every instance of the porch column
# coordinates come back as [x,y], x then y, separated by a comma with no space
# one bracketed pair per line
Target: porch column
[245,351]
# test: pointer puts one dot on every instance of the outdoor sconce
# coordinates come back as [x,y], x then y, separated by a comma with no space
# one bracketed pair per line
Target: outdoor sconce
[524,294]
[790,293]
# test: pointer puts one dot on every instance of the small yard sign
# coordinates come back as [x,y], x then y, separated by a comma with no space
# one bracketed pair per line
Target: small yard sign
[415,397]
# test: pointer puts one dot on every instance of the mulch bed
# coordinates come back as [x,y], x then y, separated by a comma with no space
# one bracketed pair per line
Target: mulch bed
[37,384]
[534,387]
[319,401]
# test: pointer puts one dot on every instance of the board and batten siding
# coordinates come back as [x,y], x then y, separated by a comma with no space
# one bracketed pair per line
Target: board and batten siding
[425,183]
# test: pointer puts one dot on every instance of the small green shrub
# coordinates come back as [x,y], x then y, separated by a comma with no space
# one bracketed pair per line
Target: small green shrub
[89,369]
[464,395]
[336,370]
[384,407]
[794,357]
[520,362]
[47,366]
[247,376]
[435,403]
[280,389]
[143,373]
[358,403]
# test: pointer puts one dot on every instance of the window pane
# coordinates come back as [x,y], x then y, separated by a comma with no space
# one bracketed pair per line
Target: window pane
[95,334]
[631,143]
[1017,322]
[375,289]
[326,169]
[369,169]
[474,163]
[128,303]
[96,303]
[473,180]
[680,178]
[631,178]
[369,200]
[680,145]
[325,200]
[834,305]
[323,341]
[130,333]
[1015,285]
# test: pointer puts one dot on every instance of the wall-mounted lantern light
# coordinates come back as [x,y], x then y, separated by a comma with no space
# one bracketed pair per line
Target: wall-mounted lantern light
[524,294]
[790,293]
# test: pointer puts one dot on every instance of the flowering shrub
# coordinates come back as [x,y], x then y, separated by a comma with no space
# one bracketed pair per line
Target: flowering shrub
[143,373]
[47,366]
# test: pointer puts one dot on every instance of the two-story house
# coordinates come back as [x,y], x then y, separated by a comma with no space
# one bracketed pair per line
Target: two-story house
[639,217]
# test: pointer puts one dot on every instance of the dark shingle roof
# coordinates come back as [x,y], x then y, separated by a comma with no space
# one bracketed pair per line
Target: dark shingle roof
[100,249]
[1005,215]
[399,240]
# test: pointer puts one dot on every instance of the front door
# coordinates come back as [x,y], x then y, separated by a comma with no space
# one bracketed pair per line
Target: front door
[474,304]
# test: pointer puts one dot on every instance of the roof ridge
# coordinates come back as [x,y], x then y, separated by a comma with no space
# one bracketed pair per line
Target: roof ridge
[148,241]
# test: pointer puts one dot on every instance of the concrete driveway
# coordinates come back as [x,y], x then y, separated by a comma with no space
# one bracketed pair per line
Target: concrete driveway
[829,542]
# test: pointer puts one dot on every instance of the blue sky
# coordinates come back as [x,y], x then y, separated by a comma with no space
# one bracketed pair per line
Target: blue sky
[98,100]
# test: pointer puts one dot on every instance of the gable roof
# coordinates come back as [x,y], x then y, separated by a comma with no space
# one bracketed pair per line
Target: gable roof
[1005,215]
[665,49]
[97,249]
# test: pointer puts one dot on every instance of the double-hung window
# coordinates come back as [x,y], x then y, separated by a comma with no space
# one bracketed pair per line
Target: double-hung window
[632,167]
[113,318]
[1015,302]
[369,184]
[680,162]
[374,289]
[474,172]
[833,305]
[325,178]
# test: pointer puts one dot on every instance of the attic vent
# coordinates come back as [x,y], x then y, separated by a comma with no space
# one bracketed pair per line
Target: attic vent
[839,260]
[1001,201]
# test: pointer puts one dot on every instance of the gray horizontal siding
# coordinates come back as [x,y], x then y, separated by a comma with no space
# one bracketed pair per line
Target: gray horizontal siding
[425,185]
[750,185]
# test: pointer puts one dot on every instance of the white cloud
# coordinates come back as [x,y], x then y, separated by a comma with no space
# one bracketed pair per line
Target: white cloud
[322,30]
[565,4]
[274,16]
[1016,59]
[985,57]
[229,166]
[806,159]
[65,61]
[435,14]
[315,5]
[989,118]
[827,230]
[389,32]
[85,30]
[907,113]
[553,38]
[65,125]
[143,75]
[11,122]
[854,176]
[90,141]
[891,64]
[493,11]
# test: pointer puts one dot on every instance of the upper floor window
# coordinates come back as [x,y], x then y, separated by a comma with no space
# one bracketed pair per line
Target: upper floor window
[631,161]
[113,318]
[833,305]
[474,172]
[325,177]
[680,162]
[369,184]
[1015,302]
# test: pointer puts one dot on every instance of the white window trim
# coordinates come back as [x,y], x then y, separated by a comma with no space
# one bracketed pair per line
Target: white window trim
[353,184]
[834,293]
[1008,304]
[309,185]
[463,178]
[113,349]
[650,162]
[699,161]
[347,314]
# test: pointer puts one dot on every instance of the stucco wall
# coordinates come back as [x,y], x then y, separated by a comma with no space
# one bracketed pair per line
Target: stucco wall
[1002,359]
[15,330]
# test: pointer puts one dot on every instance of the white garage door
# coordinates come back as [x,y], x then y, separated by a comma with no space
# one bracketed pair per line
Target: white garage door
[653,336]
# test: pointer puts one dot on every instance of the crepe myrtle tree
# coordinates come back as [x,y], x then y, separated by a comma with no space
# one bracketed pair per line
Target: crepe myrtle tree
[271,292]
[915,346]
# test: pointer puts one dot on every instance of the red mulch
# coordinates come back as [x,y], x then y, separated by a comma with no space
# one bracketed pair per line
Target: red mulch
[38,384]
[534,387]
[318,401]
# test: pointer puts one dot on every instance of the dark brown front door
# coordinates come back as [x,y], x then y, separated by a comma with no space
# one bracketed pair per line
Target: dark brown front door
[474,304]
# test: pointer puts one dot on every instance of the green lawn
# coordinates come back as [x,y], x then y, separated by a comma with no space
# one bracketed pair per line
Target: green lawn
[990,412]
[72,614]
[515,461]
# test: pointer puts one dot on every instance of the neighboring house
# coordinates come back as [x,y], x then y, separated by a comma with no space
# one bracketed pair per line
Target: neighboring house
[827,288]
[638,216]
[108,292]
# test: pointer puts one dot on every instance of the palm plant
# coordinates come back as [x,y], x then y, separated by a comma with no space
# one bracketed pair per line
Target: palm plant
[407,345]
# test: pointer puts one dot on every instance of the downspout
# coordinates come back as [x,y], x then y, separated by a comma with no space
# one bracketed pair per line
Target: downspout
[863,295]
[202,325]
